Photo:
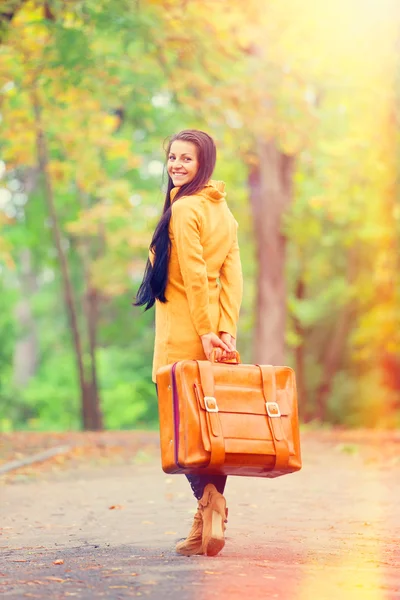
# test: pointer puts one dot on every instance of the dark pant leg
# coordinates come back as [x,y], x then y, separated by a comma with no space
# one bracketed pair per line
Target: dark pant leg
[199,482]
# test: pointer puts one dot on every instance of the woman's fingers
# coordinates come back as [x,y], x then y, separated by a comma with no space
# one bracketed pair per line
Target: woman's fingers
[217,342]
[218,353]
[223,346]
[227,339]
[211,341]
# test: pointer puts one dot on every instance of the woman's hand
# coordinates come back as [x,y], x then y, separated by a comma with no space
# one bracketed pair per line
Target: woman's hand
[211,341]
[229,340]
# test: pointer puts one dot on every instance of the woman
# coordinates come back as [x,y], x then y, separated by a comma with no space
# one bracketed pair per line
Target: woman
[194,277]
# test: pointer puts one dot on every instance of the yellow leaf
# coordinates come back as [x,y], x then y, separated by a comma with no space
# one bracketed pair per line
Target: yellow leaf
[117,587]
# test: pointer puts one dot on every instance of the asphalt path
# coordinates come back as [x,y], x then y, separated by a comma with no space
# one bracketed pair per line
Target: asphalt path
[331,531]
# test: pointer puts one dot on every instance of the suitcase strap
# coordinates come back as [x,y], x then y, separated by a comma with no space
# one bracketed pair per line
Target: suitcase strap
[268,380]
[217,442]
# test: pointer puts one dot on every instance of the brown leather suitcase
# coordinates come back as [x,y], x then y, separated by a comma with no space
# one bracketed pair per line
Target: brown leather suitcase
[228,418]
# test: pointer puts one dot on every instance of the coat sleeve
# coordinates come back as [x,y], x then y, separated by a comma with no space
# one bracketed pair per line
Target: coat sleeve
[186,223]
[231,290]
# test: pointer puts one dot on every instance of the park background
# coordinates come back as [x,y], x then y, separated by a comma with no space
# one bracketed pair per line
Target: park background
[303,100]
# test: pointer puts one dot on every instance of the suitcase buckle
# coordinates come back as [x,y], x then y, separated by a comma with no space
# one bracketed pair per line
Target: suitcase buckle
[273,409]
[211,404]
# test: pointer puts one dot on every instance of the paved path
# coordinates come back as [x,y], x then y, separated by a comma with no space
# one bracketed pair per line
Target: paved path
[331,531]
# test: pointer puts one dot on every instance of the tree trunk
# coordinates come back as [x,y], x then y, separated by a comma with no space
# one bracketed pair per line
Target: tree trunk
[299,358]
[270,183]
[332,362]
[89,419]
[335,349]
[91,304]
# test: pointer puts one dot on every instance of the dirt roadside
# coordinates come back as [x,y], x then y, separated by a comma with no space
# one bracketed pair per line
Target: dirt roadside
[330,531]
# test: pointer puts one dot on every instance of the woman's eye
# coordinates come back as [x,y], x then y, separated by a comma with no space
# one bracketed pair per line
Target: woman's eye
[171,157]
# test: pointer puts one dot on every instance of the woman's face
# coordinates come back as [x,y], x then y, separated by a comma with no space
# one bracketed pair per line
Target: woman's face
[182,162]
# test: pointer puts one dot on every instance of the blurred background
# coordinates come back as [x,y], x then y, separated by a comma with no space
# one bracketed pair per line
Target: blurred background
[302,98]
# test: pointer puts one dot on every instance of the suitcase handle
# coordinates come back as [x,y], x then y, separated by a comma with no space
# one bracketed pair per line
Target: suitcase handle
[231,357]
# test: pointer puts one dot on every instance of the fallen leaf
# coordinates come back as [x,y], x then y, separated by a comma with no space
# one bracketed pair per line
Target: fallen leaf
[19,560]
[59,561]
[116,507]
[56,579]
[117,587]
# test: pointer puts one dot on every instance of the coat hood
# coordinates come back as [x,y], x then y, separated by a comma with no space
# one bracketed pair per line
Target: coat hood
[214,191]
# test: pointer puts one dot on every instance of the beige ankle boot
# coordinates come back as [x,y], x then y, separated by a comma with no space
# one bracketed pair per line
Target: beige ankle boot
[214,518]
[194,541]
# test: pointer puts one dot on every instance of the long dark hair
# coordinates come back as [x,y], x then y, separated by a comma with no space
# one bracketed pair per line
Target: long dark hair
[155,276]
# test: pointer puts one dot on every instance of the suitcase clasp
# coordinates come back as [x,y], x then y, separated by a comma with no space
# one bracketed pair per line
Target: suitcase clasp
[210,404]
[273,409]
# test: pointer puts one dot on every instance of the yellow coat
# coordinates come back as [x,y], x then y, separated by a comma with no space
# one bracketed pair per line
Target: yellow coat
[205,285]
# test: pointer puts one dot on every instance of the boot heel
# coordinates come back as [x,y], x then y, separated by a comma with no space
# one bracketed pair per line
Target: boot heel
[214,518]
[217,540]
[217,531]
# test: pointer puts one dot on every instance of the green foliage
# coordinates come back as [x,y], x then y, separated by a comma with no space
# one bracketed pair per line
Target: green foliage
[50,400]
[128,394]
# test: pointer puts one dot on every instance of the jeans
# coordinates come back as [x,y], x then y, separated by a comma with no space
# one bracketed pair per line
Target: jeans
[199,482]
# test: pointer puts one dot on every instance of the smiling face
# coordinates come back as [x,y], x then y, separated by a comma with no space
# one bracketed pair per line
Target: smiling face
[183,163]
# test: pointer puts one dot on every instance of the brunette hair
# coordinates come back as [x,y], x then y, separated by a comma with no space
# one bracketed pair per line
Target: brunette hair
[155,276]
